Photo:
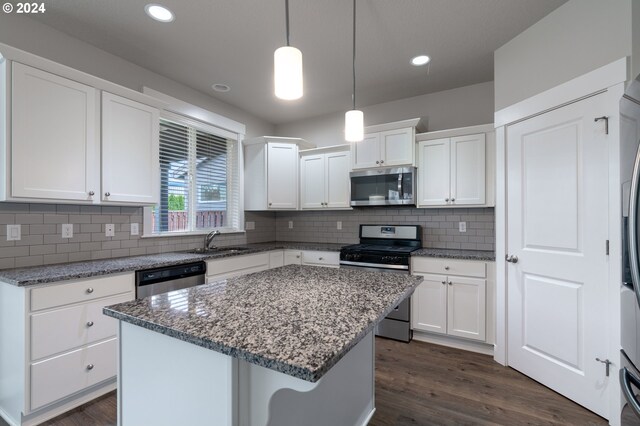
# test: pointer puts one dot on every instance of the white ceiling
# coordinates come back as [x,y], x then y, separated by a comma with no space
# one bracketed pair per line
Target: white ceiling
[232,42]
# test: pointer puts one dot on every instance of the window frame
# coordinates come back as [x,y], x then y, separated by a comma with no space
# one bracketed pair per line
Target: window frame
[206,121]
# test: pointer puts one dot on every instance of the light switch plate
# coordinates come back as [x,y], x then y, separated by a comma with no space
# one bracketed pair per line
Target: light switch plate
[135,228]
[250,226]
[109,230]
[67,230]
[462,226]
[339,225]
[14,232]
[290,224]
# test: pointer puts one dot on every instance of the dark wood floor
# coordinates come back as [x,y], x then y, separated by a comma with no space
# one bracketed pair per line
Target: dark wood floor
[424,384]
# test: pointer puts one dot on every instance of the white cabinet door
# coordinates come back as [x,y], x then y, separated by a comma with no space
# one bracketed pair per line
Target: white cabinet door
[292,257]
[433,172]
[337,189]
[282,176]
[312,181]
[429,305]
[54,144]
[366,153]
[397,147]
[466,307]
[468,169]
[130,163]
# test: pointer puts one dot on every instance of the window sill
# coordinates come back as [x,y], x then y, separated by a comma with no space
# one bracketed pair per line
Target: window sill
[193,233]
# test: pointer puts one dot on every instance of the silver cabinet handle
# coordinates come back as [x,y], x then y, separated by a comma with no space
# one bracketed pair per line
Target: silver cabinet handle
[446,199]
[511,259]
[270,203]
[381,161]
[321,258]
[89,323]
[107,194]
[90,290]
[90,367]
[446,268]
[453,200]
[377,162]
[298,257]
[450,283]
[91,193]
[444,282]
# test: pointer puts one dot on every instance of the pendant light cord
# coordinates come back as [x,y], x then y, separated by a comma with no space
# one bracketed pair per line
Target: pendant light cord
[354,55]
[286,9]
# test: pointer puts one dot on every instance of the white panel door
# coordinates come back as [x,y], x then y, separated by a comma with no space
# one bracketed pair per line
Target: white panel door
[433,172]
[466,308]
[282,175]
[312,181]
[557,215]
[429,305]
[468,170]
[366,153]
[130,144]
[338,185]
[54,147]
[397,147]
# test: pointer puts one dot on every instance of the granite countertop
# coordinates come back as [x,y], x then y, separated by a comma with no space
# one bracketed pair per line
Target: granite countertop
[67,271]
[456,254]
[298,320]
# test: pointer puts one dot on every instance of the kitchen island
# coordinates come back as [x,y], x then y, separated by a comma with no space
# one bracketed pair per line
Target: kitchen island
[287,346]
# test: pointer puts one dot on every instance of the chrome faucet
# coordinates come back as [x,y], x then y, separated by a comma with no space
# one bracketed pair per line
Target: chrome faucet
[209,239]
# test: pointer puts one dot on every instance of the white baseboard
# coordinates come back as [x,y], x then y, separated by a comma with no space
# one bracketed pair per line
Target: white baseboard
[453,342]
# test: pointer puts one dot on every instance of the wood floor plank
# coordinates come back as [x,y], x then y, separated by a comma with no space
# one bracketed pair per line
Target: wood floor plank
[425,384]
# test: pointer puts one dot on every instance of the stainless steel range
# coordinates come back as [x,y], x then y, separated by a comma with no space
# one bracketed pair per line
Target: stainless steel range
[386,248]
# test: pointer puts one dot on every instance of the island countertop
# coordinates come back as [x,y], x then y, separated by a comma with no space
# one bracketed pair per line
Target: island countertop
[298,320]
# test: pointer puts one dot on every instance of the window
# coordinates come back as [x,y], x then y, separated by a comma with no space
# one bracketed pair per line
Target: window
[199,178]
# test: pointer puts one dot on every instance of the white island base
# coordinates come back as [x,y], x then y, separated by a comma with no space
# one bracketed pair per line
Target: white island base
[166,381]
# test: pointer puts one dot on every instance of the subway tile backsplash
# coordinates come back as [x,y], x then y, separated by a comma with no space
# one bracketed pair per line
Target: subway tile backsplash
[42,243]
[439,226]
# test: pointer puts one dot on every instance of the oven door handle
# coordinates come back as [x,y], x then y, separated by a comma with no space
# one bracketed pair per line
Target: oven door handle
[626,379]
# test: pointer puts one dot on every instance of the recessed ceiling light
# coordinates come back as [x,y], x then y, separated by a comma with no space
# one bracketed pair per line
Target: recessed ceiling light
[159,12]
[220,87]
[420,60]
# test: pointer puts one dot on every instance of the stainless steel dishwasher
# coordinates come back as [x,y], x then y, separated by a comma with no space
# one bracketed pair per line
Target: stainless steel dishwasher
[150,282]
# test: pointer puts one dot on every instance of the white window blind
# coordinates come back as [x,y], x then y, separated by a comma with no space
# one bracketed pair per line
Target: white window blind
[199,182]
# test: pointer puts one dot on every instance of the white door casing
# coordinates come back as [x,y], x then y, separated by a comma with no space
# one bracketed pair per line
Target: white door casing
[557,215]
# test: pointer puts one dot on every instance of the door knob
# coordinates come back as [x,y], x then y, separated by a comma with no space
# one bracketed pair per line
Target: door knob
[511,259]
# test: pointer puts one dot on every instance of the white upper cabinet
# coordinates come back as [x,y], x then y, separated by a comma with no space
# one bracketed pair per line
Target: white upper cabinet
[457,170]
[271,172]
[130,163]
[324,178]
[385,145]
[66,146]
[54,145]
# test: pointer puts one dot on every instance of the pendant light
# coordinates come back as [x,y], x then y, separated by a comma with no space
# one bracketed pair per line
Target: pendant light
[354,119]
[287,68]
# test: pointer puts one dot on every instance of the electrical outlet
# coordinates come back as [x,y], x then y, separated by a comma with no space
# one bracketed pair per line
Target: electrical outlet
[290,224]
[250,226]
[14,232]
[135,228]
[109,230]
[462,226]
[339,225]
[67,230]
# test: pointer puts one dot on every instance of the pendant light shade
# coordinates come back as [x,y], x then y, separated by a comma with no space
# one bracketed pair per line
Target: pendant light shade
[354,126]
[354,119]
[287,68]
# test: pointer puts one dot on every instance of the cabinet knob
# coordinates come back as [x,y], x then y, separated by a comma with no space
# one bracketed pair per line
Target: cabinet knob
[270,203]
[446,268]
[450,283]
[321,258]
[381,161]
[91,193]
[444,282]
[90,290]
[89,323]
[453,200]
[90,367]
[298,257]
[107,194]
[377,162]
[446,199]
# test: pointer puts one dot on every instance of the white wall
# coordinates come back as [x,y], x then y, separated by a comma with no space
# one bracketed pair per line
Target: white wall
[34,37]
[460,107]
[576,38]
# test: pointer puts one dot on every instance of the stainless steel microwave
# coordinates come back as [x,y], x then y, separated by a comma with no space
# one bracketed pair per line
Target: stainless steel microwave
[383,186]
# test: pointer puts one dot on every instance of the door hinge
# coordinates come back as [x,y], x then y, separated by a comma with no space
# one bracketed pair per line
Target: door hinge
[607,247]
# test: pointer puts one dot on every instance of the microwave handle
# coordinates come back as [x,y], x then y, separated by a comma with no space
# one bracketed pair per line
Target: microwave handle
[400,192]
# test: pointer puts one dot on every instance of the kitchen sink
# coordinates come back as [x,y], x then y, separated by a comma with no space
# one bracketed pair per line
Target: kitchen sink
[219,250]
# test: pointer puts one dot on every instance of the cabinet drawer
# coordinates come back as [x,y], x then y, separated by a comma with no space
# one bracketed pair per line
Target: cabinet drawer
[321,258]
[57,331]
[468,268]
[80,291]
[61,376]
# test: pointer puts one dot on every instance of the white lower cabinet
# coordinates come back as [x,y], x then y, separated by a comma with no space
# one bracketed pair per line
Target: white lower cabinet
[292,257]
[450,304]
[64,349]
[321,258]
